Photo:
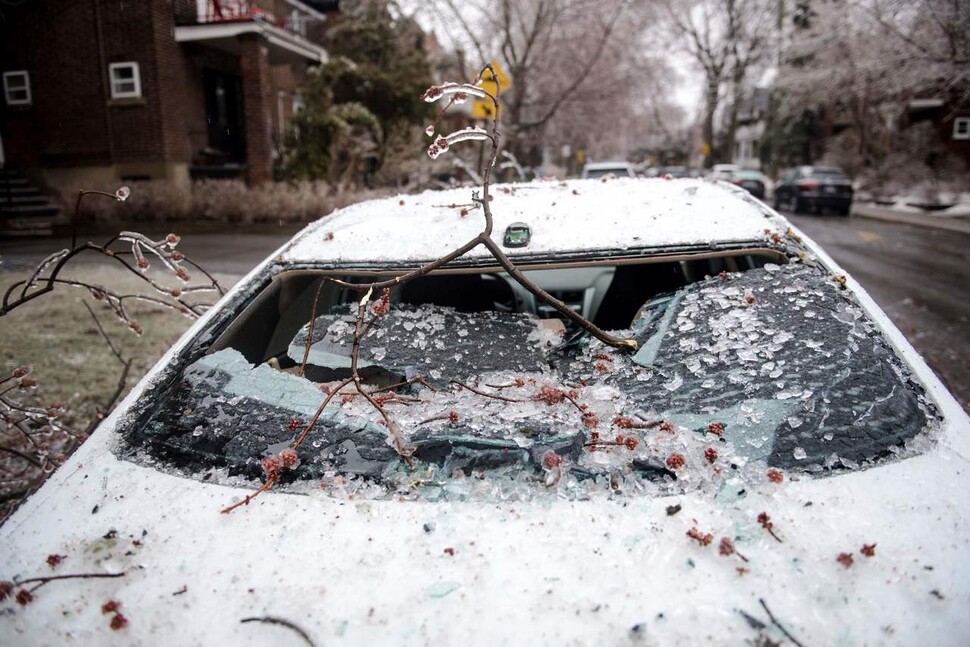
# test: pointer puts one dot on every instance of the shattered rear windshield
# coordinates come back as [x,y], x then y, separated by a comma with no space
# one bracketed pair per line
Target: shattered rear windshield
[773,368]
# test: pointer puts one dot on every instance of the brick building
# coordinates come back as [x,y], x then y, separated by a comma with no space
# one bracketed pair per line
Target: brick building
[102,91]
[949,121]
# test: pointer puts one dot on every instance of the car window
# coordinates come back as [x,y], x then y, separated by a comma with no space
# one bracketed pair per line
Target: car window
[734,373]
[595,173]
[830,173]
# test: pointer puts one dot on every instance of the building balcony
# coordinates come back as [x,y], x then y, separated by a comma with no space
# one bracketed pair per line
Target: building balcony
[218,23]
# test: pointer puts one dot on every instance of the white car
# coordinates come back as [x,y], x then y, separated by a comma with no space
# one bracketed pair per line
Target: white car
[595,170]
[723,171]
[772,463]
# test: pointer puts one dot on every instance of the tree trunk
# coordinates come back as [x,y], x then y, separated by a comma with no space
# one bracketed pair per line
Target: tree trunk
[710,106]
[733,115]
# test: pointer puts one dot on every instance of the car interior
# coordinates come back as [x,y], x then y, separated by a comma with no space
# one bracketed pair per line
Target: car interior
[609,293]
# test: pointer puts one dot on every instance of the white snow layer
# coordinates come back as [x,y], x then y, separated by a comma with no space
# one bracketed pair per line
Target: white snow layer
[614,213]
[599,572]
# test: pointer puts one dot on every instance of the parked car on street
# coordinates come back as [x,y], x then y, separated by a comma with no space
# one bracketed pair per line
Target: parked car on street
[814,189]
[761,458]
[723,171]
[674,171]
[751,181]
[600,169]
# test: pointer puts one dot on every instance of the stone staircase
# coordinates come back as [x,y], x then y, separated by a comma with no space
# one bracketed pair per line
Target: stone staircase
[24,210]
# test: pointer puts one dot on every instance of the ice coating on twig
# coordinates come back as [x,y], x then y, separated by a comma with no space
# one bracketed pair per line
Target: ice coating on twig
[47,262]
[435,92]
[442,144]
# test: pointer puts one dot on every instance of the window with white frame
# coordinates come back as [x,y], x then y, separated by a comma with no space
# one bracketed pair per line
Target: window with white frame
[125,80]
[961,128]
[16,88]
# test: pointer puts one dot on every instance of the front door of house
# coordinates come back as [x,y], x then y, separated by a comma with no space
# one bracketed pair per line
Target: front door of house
[224,114]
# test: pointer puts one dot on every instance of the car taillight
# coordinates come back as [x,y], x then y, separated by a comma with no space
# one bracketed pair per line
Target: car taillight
[807,186]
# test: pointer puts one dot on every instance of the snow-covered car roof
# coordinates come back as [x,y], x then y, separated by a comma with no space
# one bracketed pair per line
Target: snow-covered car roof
[564,216]
[875,555]
[607,164]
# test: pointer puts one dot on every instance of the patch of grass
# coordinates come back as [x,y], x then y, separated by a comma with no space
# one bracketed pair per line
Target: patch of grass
[56,337]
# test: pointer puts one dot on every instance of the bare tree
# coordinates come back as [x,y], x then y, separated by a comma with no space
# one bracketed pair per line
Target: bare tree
[857,63]
[931,39]
[560,55]
[827,74]
[35,440]
[367,317]
[725,38]
[749,35]
[698,26]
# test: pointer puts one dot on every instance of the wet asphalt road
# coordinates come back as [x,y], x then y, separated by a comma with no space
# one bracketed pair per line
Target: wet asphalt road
[919,276]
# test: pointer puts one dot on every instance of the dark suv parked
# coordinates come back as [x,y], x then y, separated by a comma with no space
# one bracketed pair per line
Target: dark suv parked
[814,189]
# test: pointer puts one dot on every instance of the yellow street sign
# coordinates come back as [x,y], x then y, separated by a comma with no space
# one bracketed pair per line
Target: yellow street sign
[497,83]
[483,109]
[494,85]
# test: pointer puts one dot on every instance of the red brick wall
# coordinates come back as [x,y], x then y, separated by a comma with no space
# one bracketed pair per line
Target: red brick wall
[171,72]
[286,81]
[128,29]
[67,45]
[73,121]
[185,11]
[55,42]
[256,84]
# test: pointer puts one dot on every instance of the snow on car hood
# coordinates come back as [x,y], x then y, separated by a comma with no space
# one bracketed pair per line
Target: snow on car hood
[603,571]
[576,214]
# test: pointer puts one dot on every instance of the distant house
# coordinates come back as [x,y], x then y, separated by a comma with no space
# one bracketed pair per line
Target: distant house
[750,132]
[100,91]
[948,120]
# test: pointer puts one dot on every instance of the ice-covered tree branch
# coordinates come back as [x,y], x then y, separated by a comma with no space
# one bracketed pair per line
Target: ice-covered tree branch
[366,318]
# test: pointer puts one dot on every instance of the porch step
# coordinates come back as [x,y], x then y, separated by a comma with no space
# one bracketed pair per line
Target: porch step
[6,189]
[21,199]
[29,210]
[24,210]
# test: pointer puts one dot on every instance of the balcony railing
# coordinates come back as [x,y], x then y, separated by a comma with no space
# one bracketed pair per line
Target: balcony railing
[230,10]
[297,19]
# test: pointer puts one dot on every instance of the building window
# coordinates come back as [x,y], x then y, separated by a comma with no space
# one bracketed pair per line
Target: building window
[125,80]
[961,128]
[16,88]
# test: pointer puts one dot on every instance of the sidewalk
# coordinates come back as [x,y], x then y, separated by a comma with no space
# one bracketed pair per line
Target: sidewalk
[959,225]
